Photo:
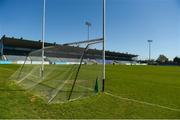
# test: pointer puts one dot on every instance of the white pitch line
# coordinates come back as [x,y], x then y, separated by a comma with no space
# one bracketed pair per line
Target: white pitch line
[142,102]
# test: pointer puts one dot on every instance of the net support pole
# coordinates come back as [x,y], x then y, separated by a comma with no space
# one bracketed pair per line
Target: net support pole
[104,42]
[43,36]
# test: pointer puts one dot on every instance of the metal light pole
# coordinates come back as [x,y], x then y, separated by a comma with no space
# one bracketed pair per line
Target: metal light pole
[104,43]
[88,26]
[150,41]
[43,36]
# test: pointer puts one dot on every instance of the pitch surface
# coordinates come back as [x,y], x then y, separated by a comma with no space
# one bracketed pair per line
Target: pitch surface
[131,92]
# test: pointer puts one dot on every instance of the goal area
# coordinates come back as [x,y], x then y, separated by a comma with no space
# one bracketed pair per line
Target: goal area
[66,72]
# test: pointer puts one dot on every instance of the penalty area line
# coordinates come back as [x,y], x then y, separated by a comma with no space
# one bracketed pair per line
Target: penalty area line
[143,102]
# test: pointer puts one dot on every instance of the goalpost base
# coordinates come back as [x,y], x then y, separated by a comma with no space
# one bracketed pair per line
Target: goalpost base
[103,84]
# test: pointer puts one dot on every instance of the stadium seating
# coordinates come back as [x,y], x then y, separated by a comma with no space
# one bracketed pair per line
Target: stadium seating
[69,60]
[109,61]
[15,58]
[55,60]
[34,58]
[16,49]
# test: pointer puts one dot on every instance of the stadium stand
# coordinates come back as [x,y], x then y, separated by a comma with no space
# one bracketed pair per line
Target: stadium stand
[53,59]
[35,58]
[15,58]
[16,49]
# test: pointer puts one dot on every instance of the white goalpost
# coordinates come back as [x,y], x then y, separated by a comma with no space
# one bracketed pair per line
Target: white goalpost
[104,43]
[43,36]
[103,37]
[69,71]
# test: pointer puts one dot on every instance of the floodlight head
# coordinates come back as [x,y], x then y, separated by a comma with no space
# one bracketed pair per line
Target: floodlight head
[150,41]
[88,23]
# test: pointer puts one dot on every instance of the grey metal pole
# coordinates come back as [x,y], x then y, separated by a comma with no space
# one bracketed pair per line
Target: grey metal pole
[88,27]
[88,32]
[43,36]
[104,43]
[149,51]
[150,41]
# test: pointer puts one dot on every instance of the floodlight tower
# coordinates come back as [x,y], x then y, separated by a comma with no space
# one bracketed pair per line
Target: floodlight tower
[43,36]
[104,43]
[149,41]
[88,26]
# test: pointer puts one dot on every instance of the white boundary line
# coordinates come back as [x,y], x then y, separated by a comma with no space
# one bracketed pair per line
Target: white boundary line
[142,102]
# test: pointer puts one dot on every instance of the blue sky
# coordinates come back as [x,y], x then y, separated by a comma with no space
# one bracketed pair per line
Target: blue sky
[130,23]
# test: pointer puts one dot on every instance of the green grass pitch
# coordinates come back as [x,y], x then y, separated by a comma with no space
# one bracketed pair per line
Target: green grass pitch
[131,92]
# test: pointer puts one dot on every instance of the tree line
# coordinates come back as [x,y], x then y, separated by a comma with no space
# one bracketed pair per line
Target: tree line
[163,60]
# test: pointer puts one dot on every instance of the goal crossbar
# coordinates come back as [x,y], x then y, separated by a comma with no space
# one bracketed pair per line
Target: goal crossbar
[85,41]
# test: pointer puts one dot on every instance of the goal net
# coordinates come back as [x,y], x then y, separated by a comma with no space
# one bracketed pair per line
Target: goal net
[67,72]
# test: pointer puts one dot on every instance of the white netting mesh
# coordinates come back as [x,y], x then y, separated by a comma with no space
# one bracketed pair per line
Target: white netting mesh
[69,72]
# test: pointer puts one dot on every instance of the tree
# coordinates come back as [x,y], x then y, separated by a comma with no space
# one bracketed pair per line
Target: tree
[176,60]
[162,59]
